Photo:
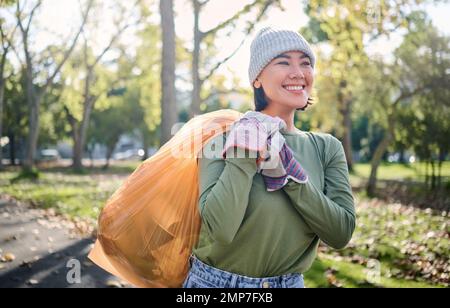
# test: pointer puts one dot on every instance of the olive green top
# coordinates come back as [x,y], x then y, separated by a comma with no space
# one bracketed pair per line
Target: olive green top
[250,231]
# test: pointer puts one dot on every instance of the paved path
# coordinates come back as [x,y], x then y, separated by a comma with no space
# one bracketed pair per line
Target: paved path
[36,249]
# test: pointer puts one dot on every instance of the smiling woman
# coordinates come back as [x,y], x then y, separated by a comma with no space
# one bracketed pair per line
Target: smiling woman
[249,201]
[294,75]
[283,66]
[261,225]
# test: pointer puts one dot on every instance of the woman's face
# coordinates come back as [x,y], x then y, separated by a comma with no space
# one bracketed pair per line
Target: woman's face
[287,80]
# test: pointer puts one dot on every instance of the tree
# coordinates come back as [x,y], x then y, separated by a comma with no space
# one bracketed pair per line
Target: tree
[109,124]
[148,85]
[34,89]
[419,71]
[424,125]
[133,105]
[83,95]
[15,118]
[346,27]
[5,41]
[207,38]
[168,100]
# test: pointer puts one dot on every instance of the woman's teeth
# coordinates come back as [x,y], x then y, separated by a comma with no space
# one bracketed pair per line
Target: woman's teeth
[294,88]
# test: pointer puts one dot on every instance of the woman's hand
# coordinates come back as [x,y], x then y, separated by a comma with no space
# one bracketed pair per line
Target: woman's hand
[246,139]
[283,167]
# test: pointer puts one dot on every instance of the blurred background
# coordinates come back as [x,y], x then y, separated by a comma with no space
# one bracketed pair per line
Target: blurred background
[90,88]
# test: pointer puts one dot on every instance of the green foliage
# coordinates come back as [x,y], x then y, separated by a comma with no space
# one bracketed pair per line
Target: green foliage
[341,27]
[32,174]
[126,91]
[147,83]
[15,120]
[424,118]
[52,118]
[345,74]
[74,76]
[6,3]
[409,97]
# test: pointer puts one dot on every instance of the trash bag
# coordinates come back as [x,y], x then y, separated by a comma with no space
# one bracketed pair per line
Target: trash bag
[148,227]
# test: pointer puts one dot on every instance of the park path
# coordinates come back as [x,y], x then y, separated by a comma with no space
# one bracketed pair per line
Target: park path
[38,249]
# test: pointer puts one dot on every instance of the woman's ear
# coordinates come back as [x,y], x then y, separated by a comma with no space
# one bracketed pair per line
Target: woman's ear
[257,84]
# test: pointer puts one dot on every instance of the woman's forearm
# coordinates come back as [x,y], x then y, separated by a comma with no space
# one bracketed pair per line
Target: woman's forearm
[330,215]
[333,222]
[226,187]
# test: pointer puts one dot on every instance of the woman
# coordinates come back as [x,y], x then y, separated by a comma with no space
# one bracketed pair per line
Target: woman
[255,237]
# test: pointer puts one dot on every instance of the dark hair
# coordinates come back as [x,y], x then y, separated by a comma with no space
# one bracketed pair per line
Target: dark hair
[261,102]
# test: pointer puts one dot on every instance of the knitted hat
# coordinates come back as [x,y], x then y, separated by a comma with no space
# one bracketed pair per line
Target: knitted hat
[269,43]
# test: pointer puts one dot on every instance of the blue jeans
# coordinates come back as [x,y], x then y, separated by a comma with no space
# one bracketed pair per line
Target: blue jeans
[202,275]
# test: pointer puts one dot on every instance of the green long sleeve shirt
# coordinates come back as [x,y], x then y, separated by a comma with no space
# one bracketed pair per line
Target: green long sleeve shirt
[250,231]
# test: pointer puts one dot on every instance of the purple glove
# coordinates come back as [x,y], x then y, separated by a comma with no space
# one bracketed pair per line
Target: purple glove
[286,168]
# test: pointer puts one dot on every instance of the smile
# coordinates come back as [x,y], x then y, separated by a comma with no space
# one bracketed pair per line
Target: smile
[295,89]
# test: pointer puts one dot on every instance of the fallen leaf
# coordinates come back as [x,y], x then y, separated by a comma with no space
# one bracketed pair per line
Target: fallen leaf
[8,257]
[113,284]
[11,238]
[88,263]
[331,278]
[32,282]
[26,264]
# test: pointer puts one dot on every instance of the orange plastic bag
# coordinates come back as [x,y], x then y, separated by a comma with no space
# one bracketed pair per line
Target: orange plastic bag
[148,227]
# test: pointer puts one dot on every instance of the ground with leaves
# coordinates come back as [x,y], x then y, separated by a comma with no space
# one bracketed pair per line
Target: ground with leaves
[37,246]
[394,245]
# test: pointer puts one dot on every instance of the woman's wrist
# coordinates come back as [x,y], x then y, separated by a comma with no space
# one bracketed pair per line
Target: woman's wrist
[243,158]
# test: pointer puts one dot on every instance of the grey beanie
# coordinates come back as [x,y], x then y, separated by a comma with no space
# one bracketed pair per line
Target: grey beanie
[269,43]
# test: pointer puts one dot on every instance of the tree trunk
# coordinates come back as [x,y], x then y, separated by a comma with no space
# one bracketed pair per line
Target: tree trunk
[169,112]
[196,82]
[109,151]
[77,163]
[12,148]
[375,163]
[80,140]
[33,134]
[2,94]
[145,143]
[347,134]
[402,158]
[433,174]
[441,160]
[90,152]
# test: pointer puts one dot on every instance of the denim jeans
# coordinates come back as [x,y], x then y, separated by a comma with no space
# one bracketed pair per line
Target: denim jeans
[202,275]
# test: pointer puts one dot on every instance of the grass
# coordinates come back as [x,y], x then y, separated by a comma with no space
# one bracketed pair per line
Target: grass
[405,246]
[328,272]
[409,245]
[71,194]
[395,171]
